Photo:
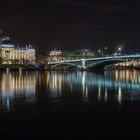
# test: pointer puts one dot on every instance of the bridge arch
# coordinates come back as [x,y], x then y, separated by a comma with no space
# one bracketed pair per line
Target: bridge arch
[65,65]
[102,64]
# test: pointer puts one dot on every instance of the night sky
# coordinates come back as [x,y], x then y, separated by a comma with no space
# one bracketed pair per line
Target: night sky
[72,24]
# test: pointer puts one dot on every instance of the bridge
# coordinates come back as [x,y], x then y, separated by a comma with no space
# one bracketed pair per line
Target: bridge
[98,63]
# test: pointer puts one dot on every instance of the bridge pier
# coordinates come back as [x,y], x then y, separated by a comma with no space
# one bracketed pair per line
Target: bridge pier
[83,64]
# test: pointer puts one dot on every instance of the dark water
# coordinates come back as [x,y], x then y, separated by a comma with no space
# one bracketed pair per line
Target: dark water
[69,105]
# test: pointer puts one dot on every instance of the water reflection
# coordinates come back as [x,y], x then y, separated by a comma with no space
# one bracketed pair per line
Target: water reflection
[27,87]
[106,94]
[119,94]
[55,84]
[15,87]
[99,92]
[111,85]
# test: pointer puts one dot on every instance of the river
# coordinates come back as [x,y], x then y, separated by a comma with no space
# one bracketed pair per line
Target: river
[68,102]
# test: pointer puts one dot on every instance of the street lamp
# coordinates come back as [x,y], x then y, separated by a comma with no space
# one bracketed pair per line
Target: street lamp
[100,52]
[105,50]
[119,50]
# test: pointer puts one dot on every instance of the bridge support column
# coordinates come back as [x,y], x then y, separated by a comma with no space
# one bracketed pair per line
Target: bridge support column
[83,64]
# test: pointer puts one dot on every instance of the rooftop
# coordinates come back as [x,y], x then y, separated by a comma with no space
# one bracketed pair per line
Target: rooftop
[27,48]
[56,51]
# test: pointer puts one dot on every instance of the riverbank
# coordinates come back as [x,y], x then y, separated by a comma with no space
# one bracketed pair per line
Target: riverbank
[42,67]
[19,67]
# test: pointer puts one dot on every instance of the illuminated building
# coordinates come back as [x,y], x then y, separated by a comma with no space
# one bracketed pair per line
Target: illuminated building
[15,55]
[66,55]
[55,55]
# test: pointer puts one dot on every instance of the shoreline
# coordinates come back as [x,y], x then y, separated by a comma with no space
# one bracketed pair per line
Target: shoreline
[41,67]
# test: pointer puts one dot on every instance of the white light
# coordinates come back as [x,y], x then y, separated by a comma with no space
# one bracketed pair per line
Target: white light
[119,49]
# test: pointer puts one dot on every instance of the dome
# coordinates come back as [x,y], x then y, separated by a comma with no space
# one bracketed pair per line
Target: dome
[7,42]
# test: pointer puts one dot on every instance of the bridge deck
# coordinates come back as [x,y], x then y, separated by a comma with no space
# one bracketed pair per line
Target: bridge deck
[100,58]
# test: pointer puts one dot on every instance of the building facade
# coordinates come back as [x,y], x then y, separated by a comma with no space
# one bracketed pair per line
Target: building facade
[55,55]
[15,55]
[66,55]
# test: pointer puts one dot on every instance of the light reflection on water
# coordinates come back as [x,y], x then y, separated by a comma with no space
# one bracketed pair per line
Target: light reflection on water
[26,87]
[15,87]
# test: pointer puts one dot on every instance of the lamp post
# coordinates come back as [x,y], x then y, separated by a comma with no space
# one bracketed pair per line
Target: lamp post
[99,53]
[119,50]
[105,50]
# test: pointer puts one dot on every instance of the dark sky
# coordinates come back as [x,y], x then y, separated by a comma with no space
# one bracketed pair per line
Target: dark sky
[69,24]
